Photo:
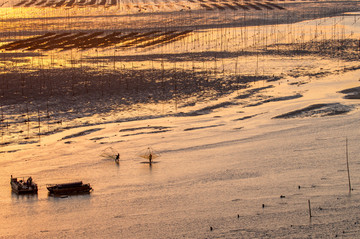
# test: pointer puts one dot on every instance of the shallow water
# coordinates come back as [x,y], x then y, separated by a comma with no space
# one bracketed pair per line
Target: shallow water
[217,166]
[203,180]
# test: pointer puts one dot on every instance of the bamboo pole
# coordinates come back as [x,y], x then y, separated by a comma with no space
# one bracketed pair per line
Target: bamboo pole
[309,209]
[39,122]
[28,120]
[347,164]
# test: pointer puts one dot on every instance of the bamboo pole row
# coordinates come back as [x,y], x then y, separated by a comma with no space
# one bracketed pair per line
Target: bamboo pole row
[68,41]
[207,5]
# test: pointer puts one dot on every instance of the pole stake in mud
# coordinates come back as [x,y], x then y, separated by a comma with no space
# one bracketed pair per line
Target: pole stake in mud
[347,164]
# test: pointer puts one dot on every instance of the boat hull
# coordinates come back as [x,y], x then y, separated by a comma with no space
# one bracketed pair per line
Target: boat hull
[69,188]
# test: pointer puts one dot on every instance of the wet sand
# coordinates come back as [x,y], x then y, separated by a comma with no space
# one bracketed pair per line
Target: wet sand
[37,97]
[248,131]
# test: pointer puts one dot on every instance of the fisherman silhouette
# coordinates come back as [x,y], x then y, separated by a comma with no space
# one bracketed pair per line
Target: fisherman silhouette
[29,181]
[150,157]
[117,157]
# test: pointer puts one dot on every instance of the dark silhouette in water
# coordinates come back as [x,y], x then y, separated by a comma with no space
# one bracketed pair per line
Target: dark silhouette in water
[149,154]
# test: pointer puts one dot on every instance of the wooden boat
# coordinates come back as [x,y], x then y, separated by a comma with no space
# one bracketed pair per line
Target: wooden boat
[22,187]
[69,188]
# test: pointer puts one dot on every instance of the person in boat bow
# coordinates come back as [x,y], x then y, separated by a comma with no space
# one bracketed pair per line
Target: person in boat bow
[29,181]
[150,157]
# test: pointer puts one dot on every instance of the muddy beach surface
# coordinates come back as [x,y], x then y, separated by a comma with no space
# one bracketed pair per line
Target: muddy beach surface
[250,118]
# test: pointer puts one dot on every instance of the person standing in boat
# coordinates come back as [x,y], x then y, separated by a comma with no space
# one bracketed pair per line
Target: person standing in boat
[29,181]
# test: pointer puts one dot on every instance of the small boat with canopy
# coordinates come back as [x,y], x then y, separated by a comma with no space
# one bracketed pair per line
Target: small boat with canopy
[22,186]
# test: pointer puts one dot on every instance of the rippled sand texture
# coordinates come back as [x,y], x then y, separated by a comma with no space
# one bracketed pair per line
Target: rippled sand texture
[108,59]
[247,103]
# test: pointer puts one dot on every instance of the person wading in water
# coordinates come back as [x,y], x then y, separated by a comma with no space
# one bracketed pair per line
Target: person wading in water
[150,158]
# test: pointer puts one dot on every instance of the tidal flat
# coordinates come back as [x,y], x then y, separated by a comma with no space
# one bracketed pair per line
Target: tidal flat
[253,113]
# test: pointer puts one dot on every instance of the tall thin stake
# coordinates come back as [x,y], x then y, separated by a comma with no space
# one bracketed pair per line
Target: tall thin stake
[39,122]
[347,163]
[309,208]
[28,120]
